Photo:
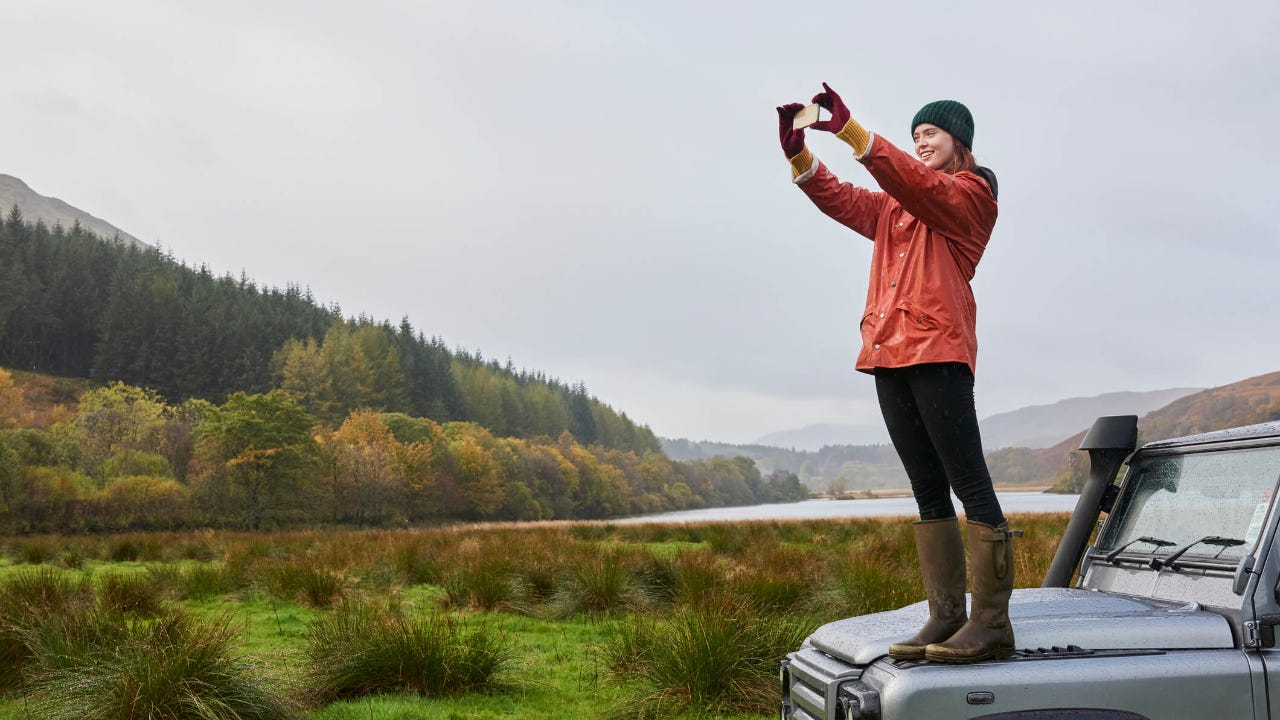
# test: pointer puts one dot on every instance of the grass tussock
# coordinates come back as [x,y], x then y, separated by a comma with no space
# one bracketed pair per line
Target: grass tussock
[364,649]
[140,594]
[601,584]
[711,660]
[103,667]
[28,598]
[309,583]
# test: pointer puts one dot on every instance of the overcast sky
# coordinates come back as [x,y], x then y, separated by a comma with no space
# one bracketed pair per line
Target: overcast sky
[595,189]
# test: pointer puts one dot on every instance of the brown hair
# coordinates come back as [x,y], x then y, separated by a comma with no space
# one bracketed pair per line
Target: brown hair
[962,160]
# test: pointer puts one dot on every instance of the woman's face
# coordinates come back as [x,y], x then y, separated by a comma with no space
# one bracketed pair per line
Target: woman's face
[934,146]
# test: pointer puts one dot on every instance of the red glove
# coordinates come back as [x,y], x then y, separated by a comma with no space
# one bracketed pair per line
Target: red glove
[832,103]
[792,140]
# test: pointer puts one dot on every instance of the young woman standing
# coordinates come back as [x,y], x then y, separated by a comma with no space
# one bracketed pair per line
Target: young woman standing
[930,226]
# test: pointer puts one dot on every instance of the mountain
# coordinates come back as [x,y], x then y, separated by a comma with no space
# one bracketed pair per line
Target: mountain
[873,466]
[1250,401]
[53,211]
[1042,426]
[1035,426]
[816,437]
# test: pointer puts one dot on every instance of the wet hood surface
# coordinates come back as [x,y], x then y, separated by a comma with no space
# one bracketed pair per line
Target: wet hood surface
[1042,618]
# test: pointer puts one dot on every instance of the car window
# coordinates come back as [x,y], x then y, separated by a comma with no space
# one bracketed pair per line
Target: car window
[1182,498]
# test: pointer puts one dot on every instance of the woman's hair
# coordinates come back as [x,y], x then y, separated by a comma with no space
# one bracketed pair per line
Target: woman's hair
[962,160]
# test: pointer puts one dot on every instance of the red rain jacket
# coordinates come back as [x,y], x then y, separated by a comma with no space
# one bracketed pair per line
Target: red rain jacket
[929,230]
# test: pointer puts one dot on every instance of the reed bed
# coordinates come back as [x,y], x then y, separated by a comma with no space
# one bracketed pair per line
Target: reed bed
[696,615]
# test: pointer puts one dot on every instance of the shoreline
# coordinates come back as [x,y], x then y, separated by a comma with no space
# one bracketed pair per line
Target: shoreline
[887,493]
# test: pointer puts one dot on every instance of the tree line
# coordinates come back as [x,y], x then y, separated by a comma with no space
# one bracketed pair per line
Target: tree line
[128,460]
[76,305]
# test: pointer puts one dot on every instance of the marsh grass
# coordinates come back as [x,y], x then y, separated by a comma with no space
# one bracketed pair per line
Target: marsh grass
[780,580]
[482,583]
[656,586]
[201,581]
[177,667]
[597,585]
[712,660]
[29,597]
[304,581]
[132,593]
[364,649]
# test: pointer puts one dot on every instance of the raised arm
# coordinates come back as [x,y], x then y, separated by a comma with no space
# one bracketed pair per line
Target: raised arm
[854,207]
[960,207]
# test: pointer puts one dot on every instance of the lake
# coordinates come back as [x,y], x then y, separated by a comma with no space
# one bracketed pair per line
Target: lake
[1010,502]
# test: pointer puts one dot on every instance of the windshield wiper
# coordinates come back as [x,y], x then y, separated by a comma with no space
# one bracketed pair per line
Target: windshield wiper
[1157,563]
[1114,554]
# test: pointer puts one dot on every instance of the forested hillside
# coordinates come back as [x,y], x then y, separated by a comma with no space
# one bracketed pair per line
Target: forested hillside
[75,305]
[118,457]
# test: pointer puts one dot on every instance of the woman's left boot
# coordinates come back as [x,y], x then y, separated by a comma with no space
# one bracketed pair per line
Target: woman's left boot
[988,633]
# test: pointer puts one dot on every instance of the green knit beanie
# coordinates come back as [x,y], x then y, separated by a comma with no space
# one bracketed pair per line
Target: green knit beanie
[949,115]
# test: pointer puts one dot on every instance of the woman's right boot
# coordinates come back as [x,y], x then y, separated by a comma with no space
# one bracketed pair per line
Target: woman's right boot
[941,554]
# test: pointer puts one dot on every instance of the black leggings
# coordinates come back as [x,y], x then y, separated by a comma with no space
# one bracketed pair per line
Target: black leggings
[931,419]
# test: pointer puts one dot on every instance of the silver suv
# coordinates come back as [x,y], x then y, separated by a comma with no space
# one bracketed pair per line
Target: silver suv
[1173,615]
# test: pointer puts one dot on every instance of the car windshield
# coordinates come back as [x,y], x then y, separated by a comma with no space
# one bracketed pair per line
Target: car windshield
[1217,497]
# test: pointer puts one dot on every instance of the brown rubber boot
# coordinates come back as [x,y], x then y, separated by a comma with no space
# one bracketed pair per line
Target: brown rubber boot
[942,566]
[988,633]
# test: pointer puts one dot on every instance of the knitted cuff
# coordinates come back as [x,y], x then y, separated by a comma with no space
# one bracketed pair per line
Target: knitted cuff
[801,163]
[856,135]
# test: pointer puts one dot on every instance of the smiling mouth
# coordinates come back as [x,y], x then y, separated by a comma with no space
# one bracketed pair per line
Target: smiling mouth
[926,154]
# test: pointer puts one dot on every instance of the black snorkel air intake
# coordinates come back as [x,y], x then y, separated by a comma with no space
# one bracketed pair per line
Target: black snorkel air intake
[1109,442]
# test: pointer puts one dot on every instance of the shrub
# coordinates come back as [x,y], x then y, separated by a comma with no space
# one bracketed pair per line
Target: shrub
[144,502]
[177,667]
[711,660]
[361,649]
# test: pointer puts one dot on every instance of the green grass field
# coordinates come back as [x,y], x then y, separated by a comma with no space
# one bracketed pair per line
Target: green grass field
[528,621]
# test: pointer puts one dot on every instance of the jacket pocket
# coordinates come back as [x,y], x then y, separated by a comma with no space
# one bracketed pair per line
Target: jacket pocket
[918,317]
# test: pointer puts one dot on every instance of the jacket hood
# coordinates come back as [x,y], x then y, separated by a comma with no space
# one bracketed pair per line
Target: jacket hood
[1044,618]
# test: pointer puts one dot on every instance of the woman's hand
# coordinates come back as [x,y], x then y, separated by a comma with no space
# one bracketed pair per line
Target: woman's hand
[792,140]
[832,103]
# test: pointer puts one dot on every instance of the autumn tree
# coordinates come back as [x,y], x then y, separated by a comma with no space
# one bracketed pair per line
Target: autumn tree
[10,401]
[256,461]
[117,418]
[370,486]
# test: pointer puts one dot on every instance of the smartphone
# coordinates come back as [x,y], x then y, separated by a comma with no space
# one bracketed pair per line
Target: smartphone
[806,117]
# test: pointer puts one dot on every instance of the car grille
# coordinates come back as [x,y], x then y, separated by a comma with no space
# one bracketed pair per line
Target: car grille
[814,679]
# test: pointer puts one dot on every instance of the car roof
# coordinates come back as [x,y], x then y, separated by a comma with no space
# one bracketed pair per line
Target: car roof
[1248,434]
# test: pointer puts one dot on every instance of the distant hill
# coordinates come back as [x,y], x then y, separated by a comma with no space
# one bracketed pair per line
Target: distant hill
[53,211]
[1247,402]
[816,437]
[862,467]
[1042,426]
[876,466]
[1036,426]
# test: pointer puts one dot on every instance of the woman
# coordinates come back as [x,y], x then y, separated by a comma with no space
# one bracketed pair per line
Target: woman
[930,226]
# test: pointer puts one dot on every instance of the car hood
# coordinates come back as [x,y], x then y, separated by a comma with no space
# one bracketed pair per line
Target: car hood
[1044,618]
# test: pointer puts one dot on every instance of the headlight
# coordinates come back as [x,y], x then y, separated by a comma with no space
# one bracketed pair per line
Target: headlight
[857,701]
